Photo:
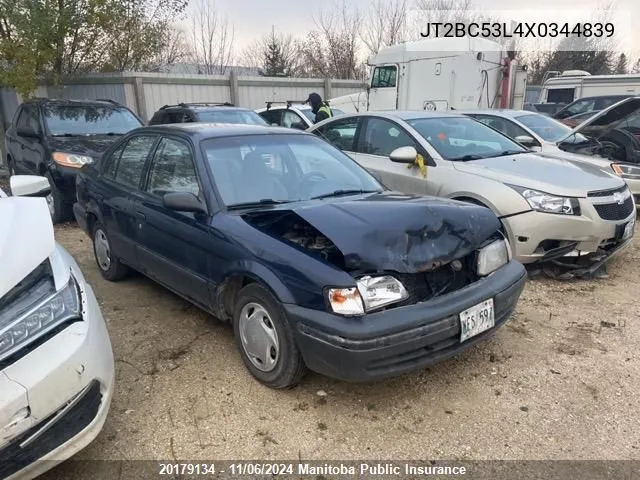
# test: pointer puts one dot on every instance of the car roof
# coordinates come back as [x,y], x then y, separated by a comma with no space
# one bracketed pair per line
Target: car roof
[214,130]
[80,102]
[202,107]
[620,96]
[499,112]
[404,114]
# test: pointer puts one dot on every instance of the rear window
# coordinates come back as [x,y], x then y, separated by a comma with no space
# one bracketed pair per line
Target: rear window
[248,117]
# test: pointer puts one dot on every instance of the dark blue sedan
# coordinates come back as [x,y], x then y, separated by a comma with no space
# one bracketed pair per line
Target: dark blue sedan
[314,262]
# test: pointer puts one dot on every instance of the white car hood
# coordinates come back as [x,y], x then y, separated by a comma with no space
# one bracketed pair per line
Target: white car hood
[550,175]
[26,238]
[615,115]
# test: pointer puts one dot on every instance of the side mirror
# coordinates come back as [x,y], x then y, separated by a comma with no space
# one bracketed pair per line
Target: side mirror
[29,186]
[526,140]
[299,126]
[27,132]
[183,202]
[404,155]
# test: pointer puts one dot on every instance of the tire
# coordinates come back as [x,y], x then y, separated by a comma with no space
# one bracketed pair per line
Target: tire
[113,270]
[58,209]
[288,367]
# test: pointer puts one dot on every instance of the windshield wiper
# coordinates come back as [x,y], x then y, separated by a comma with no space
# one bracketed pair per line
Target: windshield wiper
[505,153]
[67,135]
[339,193]
[466,158]
[259,203]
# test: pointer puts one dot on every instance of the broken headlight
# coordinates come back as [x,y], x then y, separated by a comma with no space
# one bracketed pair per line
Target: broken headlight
[378,292]
[626,171]
[38,318]
[547,203]
[492,257]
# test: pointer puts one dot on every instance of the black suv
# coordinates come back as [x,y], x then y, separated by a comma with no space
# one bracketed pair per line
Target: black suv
[205,113]
[54,138]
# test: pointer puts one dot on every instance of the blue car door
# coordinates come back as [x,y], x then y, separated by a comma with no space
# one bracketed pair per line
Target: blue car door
[173,247]
[120,181]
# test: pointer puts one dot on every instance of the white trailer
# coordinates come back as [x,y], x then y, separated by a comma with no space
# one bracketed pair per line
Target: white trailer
[570,85]
[440,74]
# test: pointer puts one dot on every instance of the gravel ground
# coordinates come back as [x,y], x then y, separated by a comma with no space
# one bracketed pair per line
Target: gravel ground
[560,381]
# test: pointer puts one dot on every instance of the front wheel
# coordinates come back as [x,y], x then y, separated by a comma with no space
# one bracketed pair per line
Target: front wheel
[110,266]
[265,339]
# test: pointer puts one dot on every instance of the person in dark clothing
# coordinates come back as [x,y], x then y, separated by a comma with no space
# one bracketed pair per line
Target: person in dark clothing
[319,108]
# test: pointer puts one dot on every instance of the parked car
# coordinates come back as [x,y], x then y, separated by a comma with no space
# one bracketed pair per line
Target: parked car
[56,362]
[54,138]
[549,208]
[205,113]
[291,114]
[576,120]
[311,259]
[588,104]
[546,136]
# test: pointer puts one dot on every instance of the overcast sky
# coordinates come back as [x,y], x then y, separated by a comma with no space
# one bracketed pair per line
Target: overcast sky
[255,18]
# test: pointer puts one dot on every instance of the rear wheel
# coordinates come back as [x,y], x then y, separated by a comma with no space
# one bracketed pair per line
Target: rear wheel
[110,266]
[265,339]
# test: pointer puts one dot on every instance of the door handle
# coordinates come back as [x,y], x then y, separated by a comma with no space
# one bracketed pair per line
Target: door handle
[141,216]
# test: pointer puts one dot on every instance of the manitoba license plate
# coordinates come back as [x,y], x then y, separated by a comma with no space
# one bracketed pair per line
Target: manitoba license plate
[476,320]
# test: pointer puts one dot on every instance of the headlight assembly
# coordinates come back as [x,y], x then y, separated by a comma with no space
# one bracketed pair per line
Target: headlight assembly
[492,257]
[371,293]
[547,203]
[39,318]
[71,159]
[624,170]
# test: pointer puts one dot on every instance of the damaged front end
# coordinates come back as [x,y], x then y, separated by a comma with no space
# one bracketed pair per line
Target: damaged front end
[401,251]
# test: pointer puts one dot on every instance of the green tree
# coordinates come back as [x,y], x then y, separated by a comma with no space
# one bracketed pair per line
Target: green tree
[275,64]
[51,38]
[621,66]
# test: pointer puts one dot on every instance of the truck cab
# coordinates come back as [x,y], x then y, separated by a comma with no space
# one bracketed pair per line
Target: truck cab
[439,74]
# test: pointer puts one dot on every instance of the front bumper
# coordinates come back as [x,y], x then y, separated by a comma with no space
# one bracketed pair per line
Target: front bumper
[537,236]
[54,400]
[399,340]
[65,180]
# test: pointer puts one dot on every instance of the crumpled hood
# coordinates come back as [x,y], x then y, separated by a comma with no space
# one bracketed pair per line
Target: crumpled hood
[543,173]
[91,145]
[26,238]
[398,232]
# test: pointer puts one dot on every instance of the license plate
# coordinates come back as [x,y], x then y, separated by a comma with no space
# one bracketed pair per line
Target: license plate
[628,230]
[476,319]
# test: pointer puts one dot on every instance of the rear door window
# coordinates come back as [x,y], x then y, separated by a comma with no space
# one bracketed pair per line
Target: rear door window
[130,166]
[560,95]
[341,133]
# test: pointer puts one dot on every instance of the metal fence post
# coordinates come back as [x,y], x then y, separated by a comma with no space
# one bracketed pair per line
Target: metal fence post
[234,91]
[141,104]
[327,89]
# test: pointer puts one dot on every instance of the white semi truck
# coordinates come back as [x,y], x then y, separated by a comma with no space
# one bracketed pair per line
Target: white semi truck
[440,74]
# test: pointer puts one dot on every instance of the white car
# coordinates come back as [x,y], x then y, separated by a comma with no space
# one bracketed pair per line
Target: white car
[56,361]
[291,114]
[601,140]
